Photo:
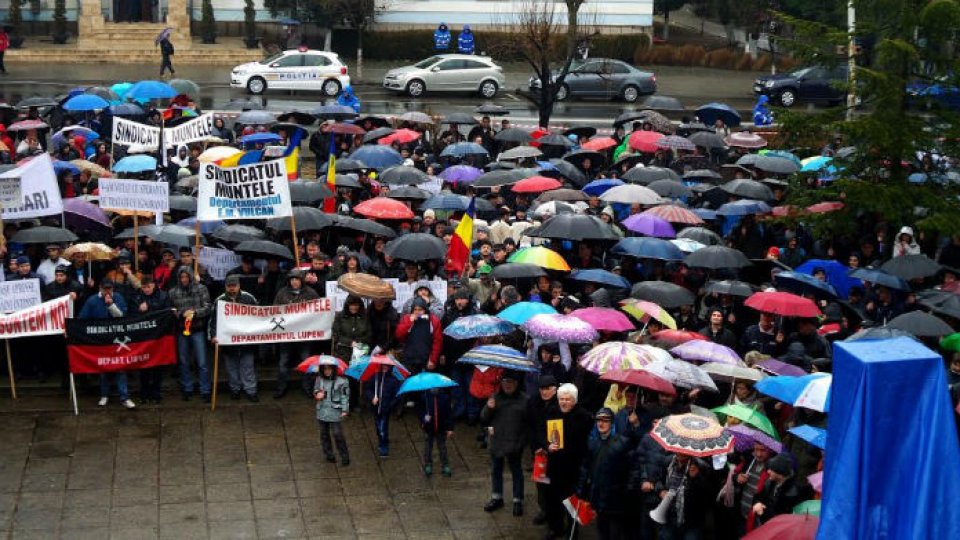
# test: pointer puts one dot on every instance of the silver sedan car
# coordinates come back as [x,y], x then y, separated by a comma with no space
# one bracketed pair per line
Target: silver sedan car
[605,78]
[447,73]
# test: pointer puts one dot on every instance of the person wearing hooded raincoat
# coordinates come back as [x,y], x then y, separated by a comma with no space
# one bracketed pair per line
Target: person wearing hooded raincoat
[465,40]
[441,37]
[762,116]
[348,99]
[905,243]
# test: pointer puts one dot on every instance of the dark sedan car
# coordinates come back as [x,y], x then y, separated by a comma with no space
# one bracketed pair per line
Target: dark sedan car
[604,78]
[818,84]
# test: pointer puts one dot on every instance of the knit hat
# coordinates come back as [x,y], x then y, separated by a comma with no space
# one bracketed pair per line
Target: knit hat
[429,213]
[547,381]
[419,303]
[23,259]
[232,280]
[781,465]
[604,412]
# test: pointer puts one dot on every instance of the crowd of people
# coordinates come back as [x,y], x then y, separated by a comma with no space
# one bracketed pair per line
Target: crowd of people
[606,455]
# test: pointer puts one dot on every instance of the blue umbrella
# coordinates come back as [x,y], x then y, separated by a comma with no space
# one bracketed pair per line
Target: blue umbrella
[357,369]
[446,201]
[705,214]
[809,391]
[135,164]
[85,102]
[603,277]
[648,248]
[813,435]
[478,326]
[425,381]
[818,163]
[260,138]
[599,187]
[61,166]
[377,156]
[743,208]
[463,149]
[150,90]
[782,154]
[498,356]
[206,227]
[837,274]
[709,113]
[546,166]
[521,312]
[802,284]
[879,277]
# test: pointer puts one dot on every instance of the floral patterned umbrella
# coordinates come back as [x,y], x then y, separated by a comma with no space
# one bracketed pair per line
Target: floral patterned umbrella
[621,355]
[682,374]
[477,326]
[563,328]
[692,435]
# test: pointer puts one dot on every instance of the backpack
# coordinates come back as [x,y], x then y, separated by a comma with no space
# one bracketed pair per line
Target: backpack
[166,47]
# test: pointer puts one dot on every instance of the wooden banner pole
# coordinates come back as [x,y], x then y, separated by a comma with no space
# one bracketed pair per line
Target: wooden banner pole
[216,374]
[13,382]
[296,244]
[136,242]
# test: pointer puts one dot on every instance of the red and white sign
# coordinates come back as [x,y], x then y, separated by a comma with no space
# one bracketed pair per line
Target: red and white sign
[48,318]
[241,324]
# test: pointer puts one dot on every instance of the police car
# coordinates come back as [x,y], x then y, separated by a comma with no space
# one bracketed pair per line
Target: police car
[296,69]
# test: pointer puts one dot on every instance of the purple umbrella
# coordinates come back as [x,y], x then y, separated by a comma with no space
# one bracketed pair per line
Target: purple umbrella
[776,367]
[707,351]
[164,34]
[550,327]
[650,225]
[461,174]
[744,437]
[82,215]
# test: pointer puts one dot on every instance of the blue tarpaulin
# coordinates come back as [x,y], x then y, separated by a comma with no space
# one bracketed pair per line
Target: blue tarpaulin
[892,459]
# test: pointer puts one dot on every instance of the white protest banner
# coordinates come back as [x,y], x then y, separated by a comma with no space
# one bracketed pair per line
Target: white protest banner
[255,191]
[39,189]
[218,261]
[405,291]
[127,132]
[11,195]
[139,195]
[195,130]
[240,324]
[20,294]
[49,318]
[339,296]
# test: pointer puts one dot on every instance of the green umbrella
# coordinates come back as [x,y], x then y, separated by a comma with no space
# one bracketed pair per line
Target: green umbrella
[811,507]
[749,416]
[951,342]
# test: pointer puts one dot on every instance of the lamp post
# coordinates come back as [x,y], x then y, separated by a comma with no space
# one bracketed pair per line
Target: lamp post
[851,59]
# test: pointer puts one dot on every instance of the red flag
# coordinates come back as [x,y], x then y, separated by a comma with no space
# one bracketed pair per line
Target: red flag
[108,345]
[462,242]
[579,510]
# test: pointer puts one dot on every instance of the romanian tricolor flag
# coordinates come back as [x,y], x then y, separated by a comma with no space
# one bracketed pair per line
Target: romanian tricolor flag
[231,161]
[460,245]
[291,155]
[330,203]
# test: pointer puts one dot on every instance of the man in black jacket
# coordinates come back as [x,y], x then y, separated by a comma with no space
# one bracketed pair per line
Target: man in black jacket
[150,298]
[541,406]
[505,416]
[238,359]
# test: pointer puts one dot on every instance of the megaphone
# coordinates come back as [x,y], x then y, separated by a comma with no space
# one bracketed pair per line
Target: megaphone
[662,511]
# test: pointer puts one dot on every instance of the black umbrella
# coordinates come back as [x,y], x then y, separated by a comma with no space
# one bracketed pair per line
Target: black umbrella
[264,249]
[716,257]
[555,140]
[627,159]
[566,195]
[309,192]
[577,157]
[306,218]
[647,175]
[149,231]
[503,177]
[347,181]
[36,101]
[492,109]
[662,293]
[373,120]
[183,203]
[748,189]
[731,287]
[297,117]
[337,113]
[941,302]
[44,235]
[127,109]
[403,175]
[458,118]
[409,193]
[416,247]
[576,227]
[878,332]
[238,233]
[670,189]
[518,271]
[707,139]
[701,234]
[241,104]
[628,116]
[102,91]
[344,165]
[581,131]
[662,103]
[364,226]
[256,117]
[920,324]
[567,170]
[175,235]
[289,127]
[377,134]
[910,267]
[513,135]
[702,174]
[776,165]
[685,130]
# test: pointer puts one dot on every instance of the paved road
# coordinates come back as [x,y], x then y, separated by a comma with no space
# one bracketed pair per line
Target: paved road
[693,86]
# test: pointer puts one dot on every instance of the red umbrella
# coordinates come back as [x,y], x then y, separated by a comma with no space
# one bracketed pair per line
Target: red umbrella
[644,141]
[402,136]
[638,377]
[536,184]
[783,303]
[783,210]
[824,207]
[312,364]
[676,337]
[343,129]
[674,214]
[383,208]
[787,527]
[599,144]
[608,319]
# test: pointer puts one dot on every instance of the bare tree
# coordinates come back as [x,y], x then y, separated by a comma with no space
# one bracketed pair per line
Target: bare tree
[357,15]
[534,34]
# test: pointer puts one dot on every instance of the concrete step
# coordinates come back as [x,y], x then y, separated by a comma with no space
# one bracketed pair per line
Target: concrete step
[134,54]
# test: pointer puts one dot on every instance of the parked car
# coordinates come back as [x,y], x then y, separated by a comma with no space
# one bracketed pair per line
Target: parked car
[818,84]
[295,69]
[447,73]
[603,77]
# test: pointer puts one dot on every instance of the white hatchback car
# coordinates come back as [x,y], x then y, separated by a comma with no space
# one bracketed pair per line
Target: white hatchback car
[296,69]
